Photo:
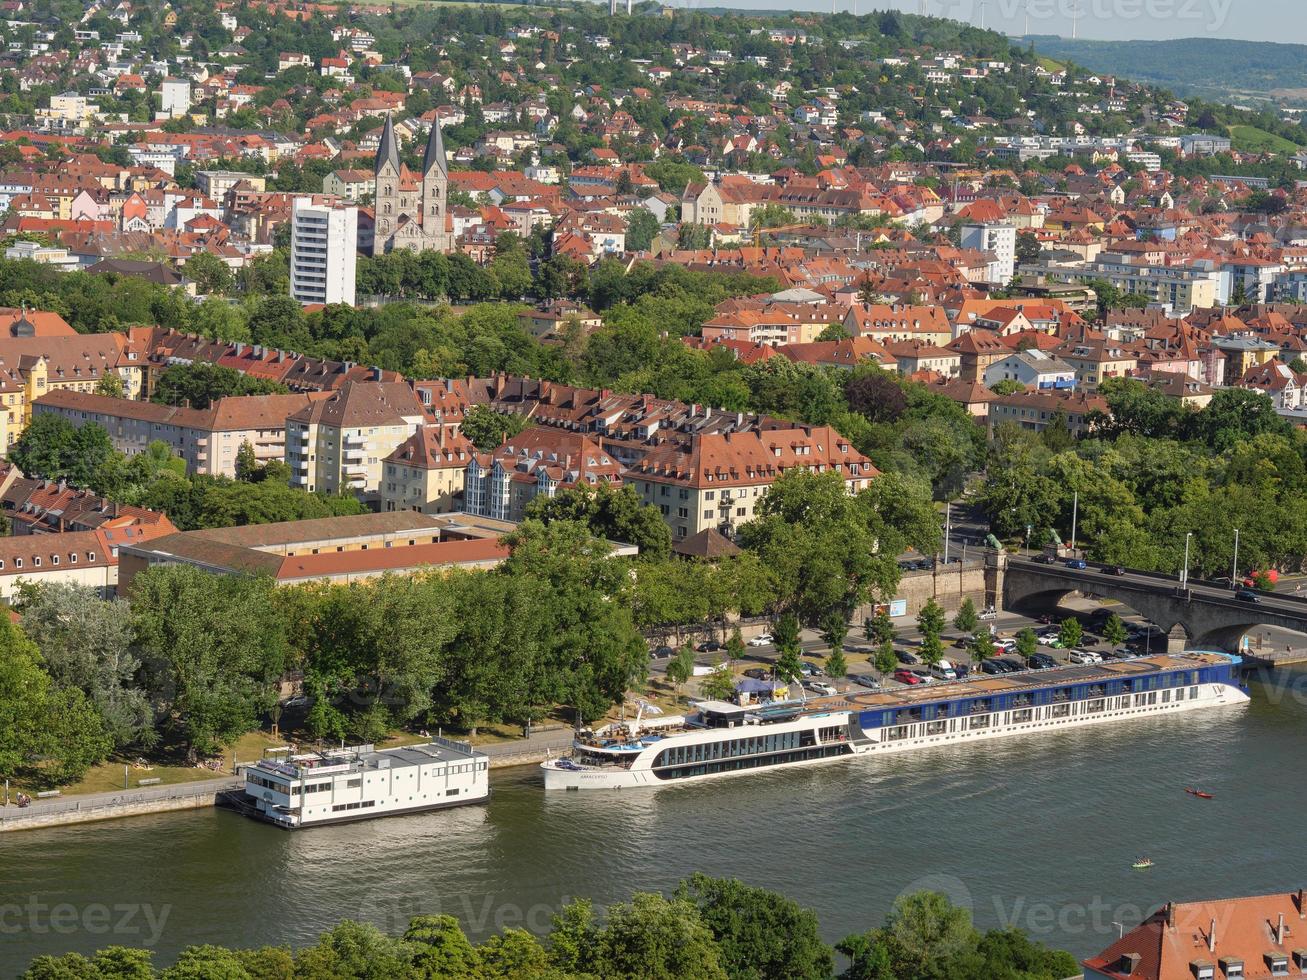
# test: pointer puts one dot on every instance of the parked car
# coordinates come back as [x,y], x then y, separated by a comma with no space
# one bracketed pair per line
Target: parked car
[1007,644]
[962,670]
[709,646]
[1042,661]
[924,676]
[819,687]
[810,670]
[992,666]
[662,653]
[1247,595]
[1084,657]
[1078,563]
[943,671]
[762,640]
[1011,666]
[989,612]
[758,673]
[905,676]
[865,680]
[1049,637]
[906,658]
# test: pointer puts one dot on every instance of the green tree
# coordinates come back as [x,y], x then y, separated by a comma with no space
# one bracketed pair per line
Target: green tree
[785,633]
[1070,633]
[86,643]
[48,735]
[982,646]
[719,685]
[442,948]
[201,384]
[1114,631]
[247,463]
[932,650]
[886,661]
[758,933]
[110,385]
[209,273]
[641,229]
[879,628]
[488,429]
[735,646]
[789,668]
[655,938]
[1027,643]
[681,666]
[931,619]
[213,648]
[611,513]
[966,619]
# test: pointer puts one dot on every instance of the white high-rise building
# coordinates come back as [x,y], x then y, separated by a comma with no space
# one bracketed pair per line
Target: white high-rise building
[175,96]
[323,247]
[1000,239]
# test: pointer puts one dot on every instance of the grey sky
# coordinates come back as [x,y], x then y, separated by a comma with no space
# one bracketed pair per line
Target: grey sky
[1255,20]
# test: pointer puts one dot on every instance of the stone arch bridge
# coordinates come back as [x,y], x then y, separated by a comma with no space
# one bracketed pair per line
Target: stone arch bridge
[1199,615]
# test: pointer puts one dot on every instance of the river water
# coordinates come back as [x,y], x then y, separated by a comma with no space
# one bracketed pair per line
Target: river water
[1036,832]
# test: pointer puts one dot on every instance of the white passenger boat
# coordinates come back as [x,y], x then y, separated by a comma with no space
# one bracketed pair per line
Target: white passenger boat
[721,738]
[359,782]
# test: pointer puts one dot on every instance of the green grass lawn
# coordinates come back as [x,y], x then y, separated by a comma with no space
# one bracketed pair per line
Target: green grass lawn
[1250,139]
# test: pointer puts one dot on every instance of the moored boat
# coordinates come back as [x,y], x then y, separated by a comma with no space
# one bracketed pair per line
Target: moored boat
[718,738]
[359,782]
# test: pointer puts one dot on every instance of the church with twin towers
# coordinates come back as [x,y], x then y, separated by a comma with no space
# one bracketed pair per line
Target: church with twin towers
[411,208]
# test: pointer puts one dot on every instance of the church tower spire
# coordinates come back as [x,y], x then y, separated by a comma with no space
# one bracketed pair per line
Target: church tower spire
[435,189]
[386,189]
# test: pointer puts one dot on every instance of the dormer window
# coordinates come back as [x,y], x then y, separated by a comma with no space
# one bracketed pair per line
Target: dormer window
[1232,967]
[1278,963]
[1203,970]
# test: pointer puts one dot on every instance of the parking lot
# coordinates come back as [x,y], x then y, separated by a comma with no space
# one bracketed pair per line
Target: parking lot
[912,671]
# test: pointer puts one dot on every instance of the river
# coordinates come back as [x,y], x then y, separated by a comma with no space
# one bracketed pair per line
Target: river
[1036,832]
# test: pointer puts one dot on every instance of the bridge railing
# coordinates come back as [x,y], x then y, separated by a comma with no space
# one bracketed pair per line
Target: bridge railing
[1094,572]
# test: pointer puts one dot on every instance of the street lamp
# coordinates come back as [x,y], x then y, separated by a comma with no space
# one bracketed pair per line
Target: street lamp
[1234,569]
[1184,575]
[1029,528]
[1075,512]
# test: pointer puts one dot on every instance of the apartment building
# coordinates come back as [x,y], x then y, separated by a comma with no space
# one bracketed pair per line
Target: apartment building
[32,366]
[1248,938]
[323,249]
[899,322]
[208,439]
[538,461]
[1095,361]
[338,444]
[717,482]
[1032,369]
[339,550]
[85,558]
[1000,241]
[50,507]
[1036,410]
[425,473]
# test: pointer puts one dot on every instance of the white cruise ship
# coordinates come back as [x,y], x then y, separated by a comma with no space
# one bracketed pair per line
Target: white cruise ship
[721,738]
[359,782]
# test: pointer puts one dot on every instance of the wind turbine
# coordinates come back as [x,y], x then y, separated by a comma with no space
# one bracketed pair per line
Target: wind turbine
[983,3]
[1076,11]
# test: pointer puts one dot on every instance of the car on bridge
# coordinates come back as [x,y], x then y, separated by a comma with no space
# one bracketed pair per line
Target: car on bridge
[1077,563]
[1247,595]
[1113,569]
